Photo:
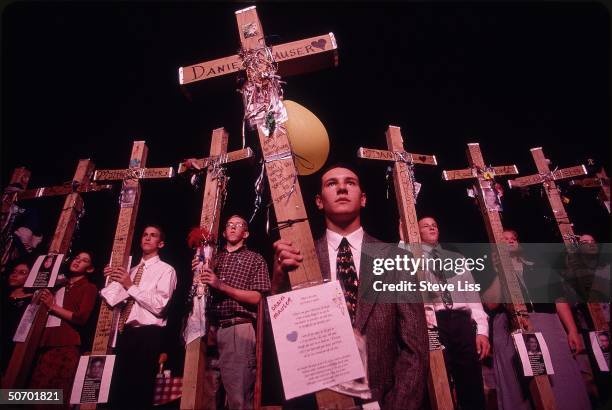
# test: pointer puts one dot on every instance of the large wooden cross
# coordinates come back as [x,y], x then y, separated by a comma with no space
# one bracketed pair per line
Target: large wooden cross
[547,178]
[601,181]
[197,392]
[405,194]
[23,354]
[484,175]
[278,157]
[20,180]
[124,232]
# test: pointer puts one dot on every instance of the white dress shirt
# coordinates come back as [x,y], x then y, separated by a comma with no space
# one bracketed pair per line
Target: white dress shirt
[333,243]
[468,304]
[152,294]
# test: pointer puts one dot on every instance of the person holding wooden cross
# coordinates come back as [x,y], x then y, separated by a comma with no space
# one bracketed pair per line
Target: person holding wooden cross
[462,323]
[238,279]
[395,333]
[14,303]
[69,310]
[547,318]
[149,286]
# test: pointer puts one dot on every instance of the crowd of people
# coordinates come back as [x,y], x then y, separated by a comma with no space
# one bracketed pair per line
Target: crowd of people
[476,335]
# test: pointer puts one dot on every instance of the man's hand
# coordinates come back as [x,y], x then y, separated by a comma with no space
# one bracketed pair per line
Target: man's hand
[482,346]
[208,277]
[46,298]
[121,276]
[286,259]
[575,342]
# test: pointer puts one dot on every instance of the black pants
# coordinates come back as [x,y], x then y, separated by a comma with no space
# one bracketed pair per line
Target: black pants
[458,335]
[136,365]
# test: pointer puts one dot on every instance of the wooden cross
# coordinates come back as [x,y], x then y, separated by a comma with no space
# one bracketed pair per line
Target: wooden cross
[20,180]
[23,354]
[405,194]
[196,392]
[279,163]
[601,181]
[124,232]
[547,178]
[484,176]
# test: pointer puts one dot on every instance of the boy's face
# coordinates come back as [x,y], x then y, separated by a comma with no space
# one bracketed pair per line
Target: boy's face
[81,264]
[341,197]
[236,230]
[151,242]
[18,276]
[428,228]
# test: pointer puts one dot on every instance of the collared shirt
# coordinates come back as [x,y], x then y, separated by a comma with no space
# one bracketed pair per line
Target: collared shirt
[240,269]
[152,294]
[475,308]
[333,243]
[79,298]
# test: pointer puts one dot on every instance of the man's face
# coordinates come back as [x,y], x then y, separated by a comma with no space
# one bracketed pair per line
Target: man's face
[151,242]
[428,228]
[510,239]
[97,369]
[18,276]
[236,230]
[81,264]
[604,342]
[341,198]
[588,244]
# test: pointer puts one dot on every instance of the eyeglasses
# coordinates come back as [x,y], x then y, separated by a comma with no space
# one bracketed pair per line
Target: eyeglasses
[235,225]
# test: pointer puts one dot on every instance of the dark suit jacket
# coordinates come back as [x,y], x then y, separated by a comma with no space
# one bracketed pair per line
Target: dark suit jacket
[396,335]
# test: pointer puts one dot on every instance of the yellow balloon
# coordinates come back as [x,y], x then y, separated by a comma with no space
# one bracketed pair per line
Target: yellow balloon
[308,138]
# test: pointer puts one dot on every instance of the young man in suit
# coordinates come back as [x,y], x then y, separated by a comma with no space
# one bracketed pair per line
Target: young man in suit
[395,334]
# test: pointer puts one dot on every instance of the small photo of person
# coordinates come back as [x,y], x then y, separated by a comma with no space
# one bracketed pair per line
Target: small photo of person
[47,264]
[95,368]
[604,341]
[492,199]
[533,346]
[430,317]
[128,196]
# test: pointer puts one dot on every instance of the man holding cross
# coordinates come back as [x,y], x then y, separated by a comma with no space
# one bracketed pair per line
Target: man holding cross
[238,279]
[149,287]
[395,333]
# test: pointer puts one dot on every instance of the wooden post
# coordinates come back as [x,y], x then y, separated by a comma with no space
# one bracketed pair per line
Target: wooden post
[18,182]
[196,392]
[601,181]
[547,178]
[539,386]
[124,232]
[403,179]
[278,157]
[23,354]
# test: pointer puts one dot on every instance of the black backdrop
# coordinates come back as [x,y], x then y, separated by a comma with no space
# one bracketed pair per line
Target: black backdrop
[84,80]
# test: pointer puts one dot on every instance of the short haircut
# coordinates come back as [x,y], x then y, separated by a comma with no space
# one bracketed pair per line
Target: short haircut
[426,216]
[347,165]
[162,234]
[92,256]
[246,223]
[513,232]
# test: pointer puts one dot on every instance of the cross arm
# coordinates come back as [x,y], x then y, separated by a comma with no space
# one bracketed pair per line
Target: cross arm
[203,163]
[133,173]
[296,57]
[396,156]
[555,175]
[60,190]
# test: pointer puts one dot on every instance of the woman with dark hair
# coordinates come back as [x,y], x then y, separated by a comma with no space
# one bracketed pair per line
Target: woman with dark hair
[14,303]
[553,319]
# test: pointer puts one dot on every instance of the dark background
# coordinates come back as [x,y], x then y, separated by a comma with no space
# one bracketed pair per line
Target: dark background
[84,80]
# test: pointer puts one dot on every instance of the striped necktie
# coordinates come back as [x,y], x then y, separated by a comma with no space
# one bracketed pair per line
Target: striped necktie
[347,275]
[125,312]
